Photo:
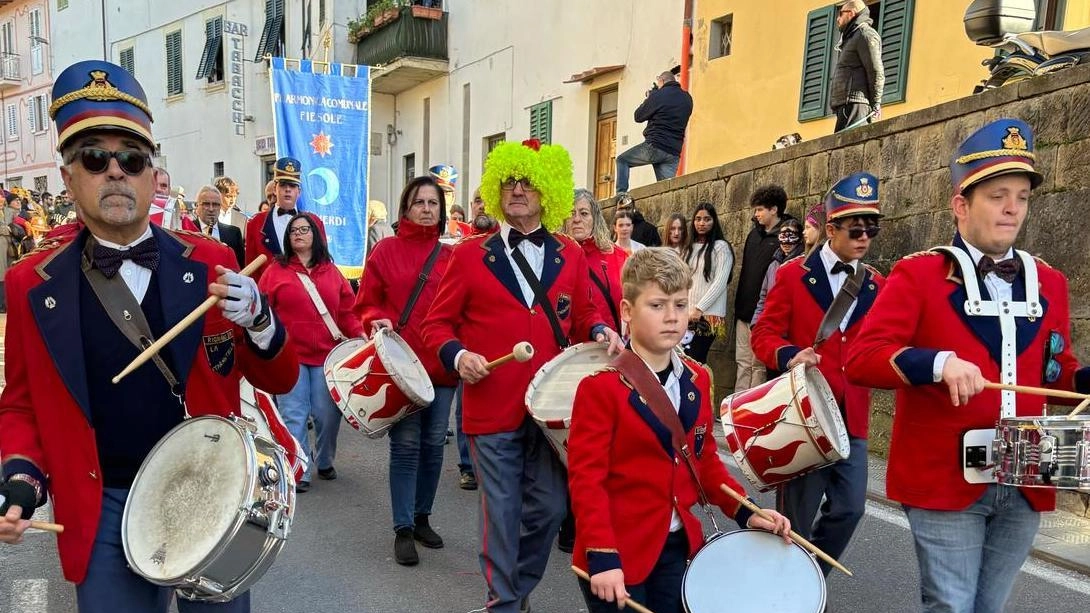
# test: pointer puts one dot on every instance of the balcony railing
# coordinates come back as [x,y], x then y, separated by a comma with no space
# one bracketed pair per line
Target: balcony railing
[411,49]
[10,68]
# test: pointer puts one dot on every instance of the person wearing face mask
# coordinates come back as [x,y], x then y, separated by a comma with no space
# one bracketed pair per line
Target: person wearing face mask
[791,247]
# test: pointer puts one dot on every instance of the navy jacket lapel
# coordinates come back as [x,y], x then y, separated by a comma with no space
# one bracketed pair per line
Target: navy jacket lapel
[55,306]
[268,233]
[662,433]
[183,284]
[689,407]
[496,260]
[816,281]
[553,262]
[866,297]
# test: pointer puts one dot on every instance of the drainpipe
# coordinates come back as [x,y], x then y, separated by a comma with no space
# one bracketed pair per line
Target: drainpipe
[686,50]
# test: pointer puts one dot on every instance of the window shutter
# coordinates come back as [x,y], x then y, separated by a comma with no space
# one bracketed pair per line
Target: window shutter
[541,122]
[13,122]
[213,42]
[817,55]
[270,5]
[896,31]
[272,35]
[128,61]
[174,63]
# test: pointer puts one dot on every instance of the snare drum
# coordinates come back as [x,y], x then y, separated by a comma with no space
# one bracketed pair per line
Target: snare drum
[768,574]
[377,383]
[209,510]
[1051,452]
[784,428]
[551,393]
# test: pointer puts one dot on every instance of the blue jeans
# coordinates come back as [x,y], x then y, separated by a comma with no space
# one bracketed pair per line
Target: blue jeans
[524,495]
[310,398]
[416,458]
[970,559]
[665,164]
[111,587]
[844,487]
[661,591]
[465,463]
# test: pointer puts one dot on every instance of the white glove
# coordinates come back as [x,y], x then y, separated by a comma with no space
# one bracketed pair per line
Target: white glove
[243,303]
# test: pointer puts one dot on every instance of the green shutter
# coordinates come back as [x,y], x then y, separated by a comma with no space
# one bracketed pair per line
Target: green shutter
[896,31]
[174,63]
[541,122]
[128,62]
[821,34]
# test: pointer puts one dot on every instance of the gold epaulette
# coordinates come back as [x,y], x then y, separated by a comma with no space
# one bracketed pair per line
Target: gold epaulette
[192,233]
[920,253]
[47,244]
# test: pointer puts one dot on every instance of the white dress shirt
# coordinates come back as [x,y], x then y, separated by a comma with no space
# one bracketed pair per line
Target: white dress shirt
[136,277]
[280,224]
[999,289]
[829,259]
[673,391]
[203,228]
[225,216]
[535,257]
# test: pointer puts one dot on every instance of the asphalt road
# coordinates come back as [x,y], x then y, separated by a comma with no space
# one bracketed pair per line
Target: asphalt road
[339,558]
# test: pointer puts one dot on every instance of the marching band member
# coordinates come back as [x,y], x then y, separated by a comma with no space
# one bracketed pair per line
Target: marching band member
[265,231]
[487,302]
[413,258]
[60,415]
[804,291]
[632,498]
[971,534]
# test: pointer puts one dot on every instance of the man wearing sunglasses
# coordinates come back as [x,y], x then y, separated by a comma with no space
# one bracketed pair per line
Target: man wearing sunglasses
[784,336]
[80,309]
[948,321]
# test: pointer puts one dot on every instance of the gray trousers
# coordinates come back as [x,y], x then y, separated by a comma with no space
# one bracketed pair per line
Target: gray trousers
[523,497]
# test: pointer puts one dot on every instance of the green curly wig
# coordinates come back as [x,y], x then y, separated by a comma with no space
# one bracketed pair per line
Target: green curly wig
[549,169]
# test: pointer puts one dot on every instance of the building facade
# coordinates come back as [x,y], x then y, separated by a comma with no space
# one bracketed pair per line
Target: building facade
[766,66]
[29,142]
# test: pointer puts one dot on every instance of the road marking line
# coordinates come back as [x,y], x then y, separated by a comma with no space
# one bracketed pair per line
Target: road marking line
[1046,572]
[30,595]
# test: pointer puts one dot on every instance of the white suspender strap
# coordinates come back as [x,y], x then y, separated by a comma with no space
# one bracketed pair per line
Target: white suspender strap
[320,305]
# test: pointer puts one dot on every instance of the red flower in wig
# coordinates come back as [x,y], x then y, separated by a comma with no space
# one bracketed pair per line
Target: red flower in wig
[532,143]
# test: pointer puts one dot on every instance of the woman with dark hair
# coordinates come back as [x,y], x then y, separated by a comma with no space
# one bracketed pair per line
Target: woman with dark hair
[676,233]
[301,279]
[711,259]
[394,270]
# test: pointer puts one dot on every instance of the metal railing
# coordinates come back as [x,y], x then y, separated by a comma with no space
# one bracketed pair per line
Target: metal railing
[10,67]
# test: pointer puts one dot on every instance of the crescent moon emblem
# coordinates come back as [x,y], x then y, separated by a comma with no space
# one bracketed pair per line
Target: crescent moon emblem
[332,185]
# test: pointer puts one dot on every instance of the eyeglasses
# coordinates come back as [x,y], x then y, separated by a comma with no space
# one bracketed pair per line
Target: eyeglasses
[300,231]
[510,183]
[96,161]
[1055,347]
[856,233]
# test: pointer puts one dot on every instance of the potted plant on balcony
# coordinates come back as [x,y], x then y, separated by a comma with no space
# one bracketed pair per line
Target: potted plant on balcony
[358,28]
[384,12]
[427,12]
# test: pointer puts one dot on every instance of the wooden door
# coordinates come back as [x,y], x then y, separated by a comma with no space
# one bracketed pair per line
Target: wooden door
[605,155]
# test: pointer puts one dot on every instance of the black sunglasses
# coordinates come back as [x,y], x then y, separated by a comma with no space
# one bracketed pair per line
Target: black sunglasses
[96,161]
[857,233]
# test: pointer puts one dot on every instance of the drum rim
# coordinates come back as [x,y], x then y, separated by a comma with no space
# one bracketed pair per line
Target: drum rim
[544,370]
[385,335]
[233,528]
[840,440]
[720,535]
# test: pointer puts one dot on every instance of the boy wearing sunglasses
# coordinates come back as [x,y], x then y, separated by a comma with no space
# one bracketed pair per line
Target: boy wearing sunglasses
[948,321]
[784,335]
[80,308]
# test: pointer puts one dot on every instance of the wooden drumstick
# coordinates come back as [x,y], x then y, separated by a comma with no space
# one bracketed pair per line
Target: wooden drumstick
[210,302]
[582,574]
[1039,391]
[520,353]
[1079,408]
[46,526]
[794,535]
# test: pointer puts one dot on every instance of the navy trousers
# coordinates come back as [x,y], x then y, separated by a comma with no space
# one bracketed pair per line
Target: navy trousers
[661,591]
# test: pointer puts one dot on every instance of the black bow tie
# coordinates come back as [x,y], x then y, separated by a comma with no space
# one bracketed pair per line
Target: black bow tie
[280,211]
[536,237]
[1006,270]
[144,253]
[840,267]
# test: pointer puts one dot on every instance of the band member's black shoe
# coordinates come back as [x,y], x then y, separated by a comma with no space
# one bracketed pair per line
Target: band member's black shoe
[404,548]
[327,474]
[467,481]
[424,533]
[302,486]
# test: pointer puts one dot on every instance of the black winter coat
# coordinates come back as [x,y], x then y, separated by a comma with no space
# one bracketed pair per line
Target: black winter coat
[666,111]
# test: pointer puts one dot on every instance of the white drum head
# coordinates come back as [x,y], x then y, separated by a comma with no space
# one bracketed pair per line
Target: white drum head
[551,393]
[753,570]
[186,498]
[404,367]
[826,411]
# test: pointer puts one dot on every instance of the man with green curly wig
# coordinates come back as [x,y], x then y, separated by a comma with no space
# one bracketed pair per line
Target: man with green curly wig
[521,283]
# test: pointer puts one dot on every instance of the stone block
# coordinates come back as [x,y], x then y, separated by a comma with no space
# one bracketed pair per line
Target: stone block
[777,174]
[930,150]
[1073,165]
[1046,164]
[798,178]
[1078,120]
[1080,337]
[819,173]
[738,190]
[872,155]
[897,196]
[1071,77]
[898,156]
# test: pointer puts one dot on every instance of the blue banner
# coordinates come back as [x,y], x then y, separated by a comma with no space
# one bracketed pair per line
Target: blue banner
[323,120]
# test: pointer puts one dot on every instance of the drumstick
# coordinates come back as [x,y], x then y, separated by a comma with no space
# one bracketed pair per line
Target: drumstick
[520,353]
[1078,409]
[1039,391]
[582,574]
[794,535]
[210,302]
[48,527]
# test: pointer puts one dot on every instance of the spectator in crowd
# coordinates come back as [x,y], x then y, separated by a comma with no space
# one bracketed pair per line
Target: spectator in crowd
[63,211]
[768,203]
[229,212]
[588,227]
[666,110]
[208,221]
[622,231]
[263,206]
[643,231]
[676,233]
[711,260]
[10,236]
[812,232]
[482,222]
[456,225]
[314,301]
[377,226]
[855,93]
[413,258]
[270,193]
[791,246]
